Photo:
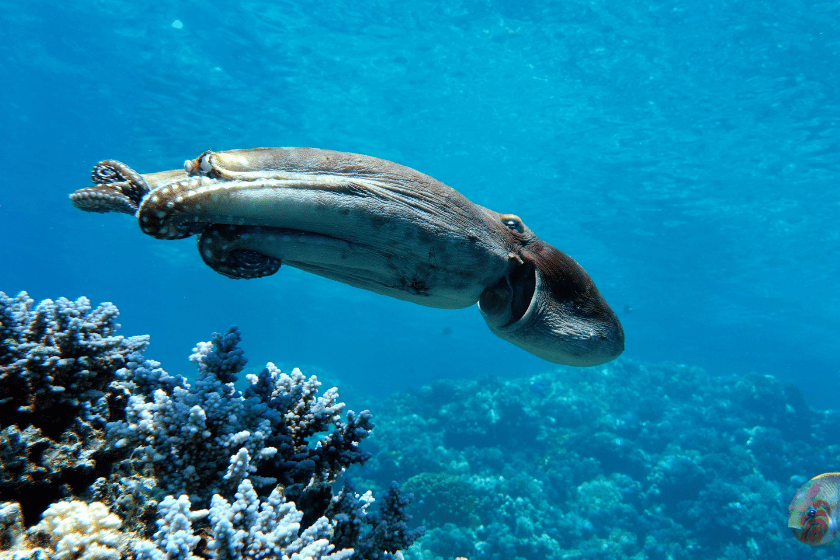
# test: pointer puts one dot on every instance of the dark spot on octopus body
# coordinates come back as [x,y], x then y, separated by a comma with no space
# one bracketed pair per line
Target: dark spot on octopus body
[432,258]
[418,287]
[414,285]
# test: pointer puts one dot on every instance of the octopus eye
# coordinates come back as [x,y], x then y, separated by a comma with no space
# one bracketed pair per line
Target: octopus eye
[200,165]
[513,223]
[205,163]
[812,513]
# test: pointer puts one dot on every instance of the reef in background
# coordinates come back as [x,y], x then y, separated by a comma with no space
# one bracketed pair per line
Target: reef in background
[104,455]
[623,461]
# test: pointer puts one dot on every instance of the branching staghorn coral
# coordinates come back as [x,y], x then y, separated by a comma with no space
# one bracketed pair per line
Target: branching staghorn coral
[57,360]
[150,437]
[377,534]
[58,357]
[204,439]
[248,528]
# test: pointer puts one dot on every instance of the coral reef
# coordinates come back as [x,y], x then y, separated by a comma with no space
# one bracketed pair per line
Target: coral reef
[104,455]
[134,449]
[57,360]
[621,461]
[447,498]
[11,526]
[185,432]
[80,531]
[247,528]
[388,526]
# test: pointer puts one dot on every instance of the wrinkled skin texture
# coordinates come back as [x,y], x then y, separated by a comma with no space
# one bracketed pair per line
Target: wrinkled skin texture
[375,225]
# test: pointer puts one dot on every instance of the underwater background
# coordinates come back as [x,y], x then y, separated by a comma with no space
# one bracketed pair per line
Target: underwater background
[686,155]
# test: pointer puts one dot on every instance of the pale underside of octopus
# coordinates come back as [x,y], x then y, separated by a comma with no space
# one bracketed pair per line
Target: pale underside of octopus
[375,225]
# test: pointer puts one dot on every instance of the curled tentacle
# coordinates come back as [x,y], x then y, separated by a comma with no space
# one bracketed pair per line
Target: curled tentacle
[117,188]
[218,247]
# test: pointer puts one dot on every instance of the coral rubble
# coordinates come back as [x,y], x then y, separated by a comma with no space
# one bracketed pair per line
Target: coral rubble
[120,459]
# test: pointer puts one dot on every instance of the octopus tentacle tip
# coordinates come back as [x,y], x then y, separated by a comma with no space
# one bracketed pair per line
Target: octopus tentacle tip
[117,188]
[103,198]
[372,224]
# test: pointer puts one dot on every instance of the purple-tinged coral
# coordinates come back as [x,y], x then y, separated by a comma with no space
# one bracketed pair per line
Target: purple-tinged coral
[127,433]
[175,538]
[251,528]
[298,414]
[246,529]
[381,534]
[57,360]
[205,438]
[198,439]
[388,527]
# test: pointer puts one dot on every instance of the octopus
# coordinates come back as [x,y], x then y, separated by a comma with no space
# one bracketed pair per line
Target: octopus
[375,225]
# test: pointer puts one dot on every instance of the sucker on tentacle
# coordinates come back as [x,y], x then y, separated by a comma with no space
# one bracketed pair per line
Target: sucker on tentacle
[372,224]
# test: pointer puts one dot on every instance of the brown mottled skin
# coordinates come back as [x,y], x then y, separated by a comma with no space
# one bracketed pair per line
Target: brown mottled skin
[375,225]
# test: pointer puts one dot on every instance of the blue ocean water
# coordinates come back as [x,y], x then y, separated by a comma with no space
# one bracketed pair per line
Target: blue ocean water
[687,155]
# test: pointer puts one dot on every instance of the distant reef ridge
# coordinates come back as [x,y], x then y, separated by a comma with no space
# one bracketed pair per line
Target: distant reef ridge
[621,461]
